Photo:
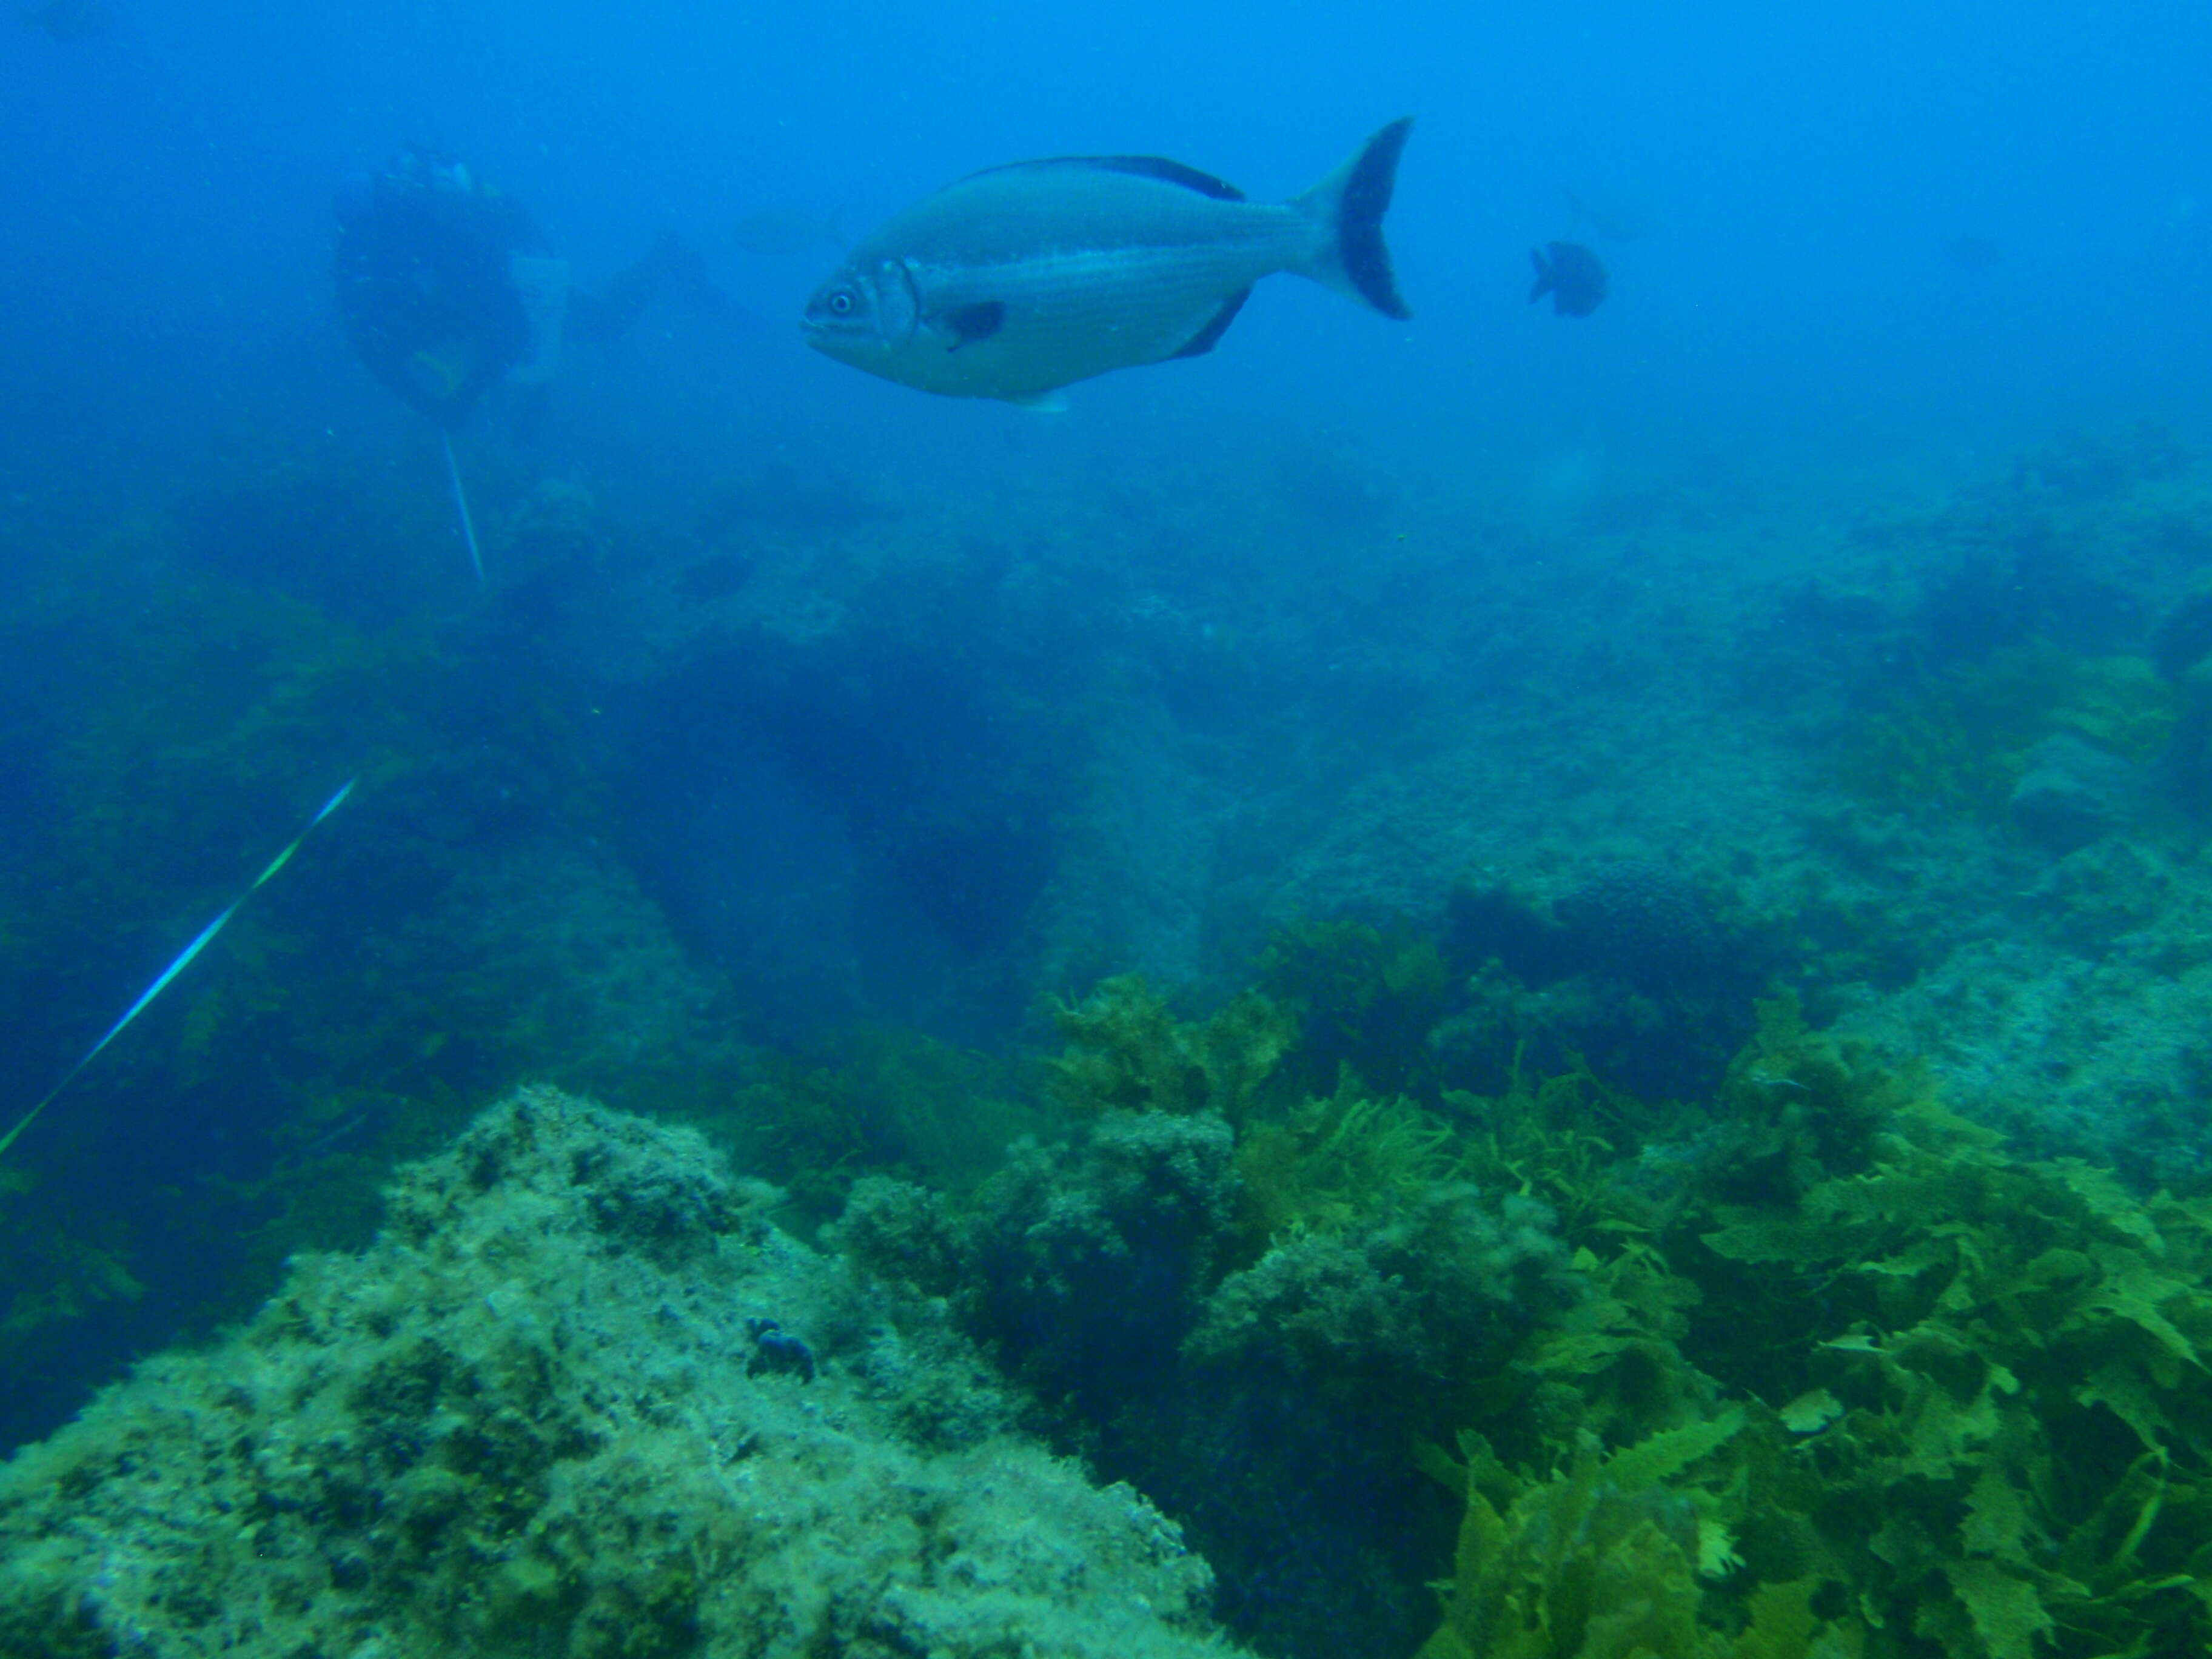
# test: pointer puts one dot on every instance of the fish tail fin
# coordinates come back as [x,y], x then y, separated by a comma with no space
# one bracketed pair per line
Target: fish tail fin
[1349,206]
[1543,276]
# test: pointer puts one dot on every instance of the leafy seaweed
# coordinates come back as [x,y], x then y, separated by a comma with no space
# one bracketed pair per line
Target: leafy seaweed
[1971,1391]
[1126,1051]
[1954,740]
[1364,997]
[1610,1556]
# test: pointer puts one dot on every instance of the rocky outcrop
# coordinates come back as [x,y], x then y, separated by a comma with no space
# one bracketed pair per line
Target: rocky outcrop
[559,1408]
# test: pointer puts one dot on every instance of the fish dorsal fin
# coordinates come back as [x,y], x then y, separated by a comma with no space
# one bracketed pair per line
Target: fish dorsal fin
[1145,167]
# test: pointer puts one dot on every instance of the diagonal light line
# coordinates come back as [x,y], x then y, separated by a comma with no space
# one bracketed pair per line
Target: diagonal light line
[177,967]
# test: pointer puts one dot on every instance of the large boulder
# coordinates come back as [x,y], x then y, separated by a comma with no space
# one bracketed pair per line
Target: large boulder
[2073,793]
[581,1398]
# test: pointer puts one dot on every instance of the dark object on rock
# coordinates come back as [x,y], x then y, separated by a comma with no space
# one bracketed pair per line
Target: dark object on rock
[777,1352]
[2074,794]
[2183,636]
[1645,925]
[1573,277]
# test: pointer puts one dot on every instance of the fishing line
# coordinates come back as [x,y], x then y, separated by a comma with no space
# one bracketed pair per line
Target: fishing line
[468,525]
[190,951]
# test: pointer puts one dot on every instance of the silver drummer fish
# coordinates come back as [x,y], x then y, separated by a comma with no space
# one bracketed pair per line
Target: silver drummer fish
[1022,279]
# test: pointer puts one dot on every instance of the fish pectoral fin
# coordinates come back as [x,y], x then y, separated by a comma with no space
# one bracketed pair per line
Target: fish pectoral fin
[1216,325]
[971,323]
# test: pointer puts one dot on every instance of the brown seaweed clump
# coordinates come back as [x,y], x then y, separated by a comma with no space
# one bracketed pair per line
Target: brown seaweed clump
[541,1417]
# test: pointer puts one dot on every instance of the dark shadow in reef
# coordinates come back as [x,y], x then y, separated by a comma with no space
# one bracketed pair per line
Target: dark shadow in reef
[849,829]
[1631,971]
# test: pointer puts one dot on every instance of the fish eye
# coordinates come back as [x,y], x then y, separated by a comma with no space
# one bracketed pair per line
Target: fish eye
[841,303]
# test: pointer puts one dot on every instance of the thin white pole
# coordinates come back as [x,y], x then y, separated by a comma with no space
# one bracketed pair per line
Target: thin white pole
[177,967]
[461,503]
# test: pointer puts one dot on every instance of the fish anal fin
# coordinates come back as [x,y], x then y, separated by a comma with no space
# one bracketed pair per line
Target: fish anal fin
[1053,402]
[1216,325]
[967,323]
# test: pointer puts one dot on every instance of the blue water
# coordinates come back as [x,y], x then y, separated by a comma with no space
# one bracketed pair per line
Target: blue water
[799,703]
[168,185]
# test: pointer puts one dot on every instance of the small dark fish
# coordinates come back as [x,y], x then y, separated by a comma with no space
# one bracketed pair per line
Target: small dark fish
[1572,276]
[66,20]
[780,233]
[1974,252]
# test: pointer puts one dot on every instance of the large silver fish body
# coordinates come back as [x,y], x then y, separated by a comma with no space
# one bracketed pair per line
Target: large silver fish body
[1024,278]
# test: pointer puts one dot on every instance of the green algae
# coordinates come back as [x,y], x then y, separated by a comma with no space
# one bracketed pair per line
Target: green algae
[1812,1367]
[168,706]
[1364,998]
[1955,740]
[1837,1374]
[889,1103]
[524,1423]
[1606,1560]
[1346,1231]
[1974,1385]
[1338,1160]
[1126,1051]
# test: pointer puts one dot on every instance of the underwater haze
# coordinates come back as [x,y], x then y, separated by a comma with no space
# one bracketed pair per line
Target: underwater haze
[170,180]
[1398,980]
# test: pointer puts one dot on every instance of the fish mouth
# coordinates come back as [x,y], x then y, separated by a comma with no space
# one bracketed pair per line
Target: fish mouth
[832,335]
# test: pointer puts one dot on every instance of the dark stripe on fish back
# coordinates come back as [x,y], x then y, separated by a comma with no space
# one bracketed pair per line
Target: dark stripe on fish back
[1146,167]
[1360,219]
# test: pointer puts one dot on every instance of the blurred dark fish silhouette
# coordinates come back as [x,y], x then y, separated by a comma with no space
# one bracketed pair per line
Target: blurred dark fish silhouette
[1974,252]
[1618,215]
[780,233]
[1572,276]
[66,20]
[1019,280]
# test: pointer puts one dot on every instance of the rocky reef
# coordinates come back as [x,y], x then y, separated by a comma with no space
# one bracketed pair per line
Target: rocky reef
[580,1398]
[1245,1299]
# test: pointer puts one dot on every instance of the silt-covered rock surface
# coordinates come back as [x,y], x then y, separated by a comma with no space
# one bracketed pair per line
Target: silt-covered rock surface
[546,1413]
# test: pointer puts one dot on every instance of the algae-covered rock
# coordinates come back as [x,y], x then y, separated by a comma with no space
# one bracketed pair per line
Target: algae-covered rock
[546,1414]
[2075,794]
